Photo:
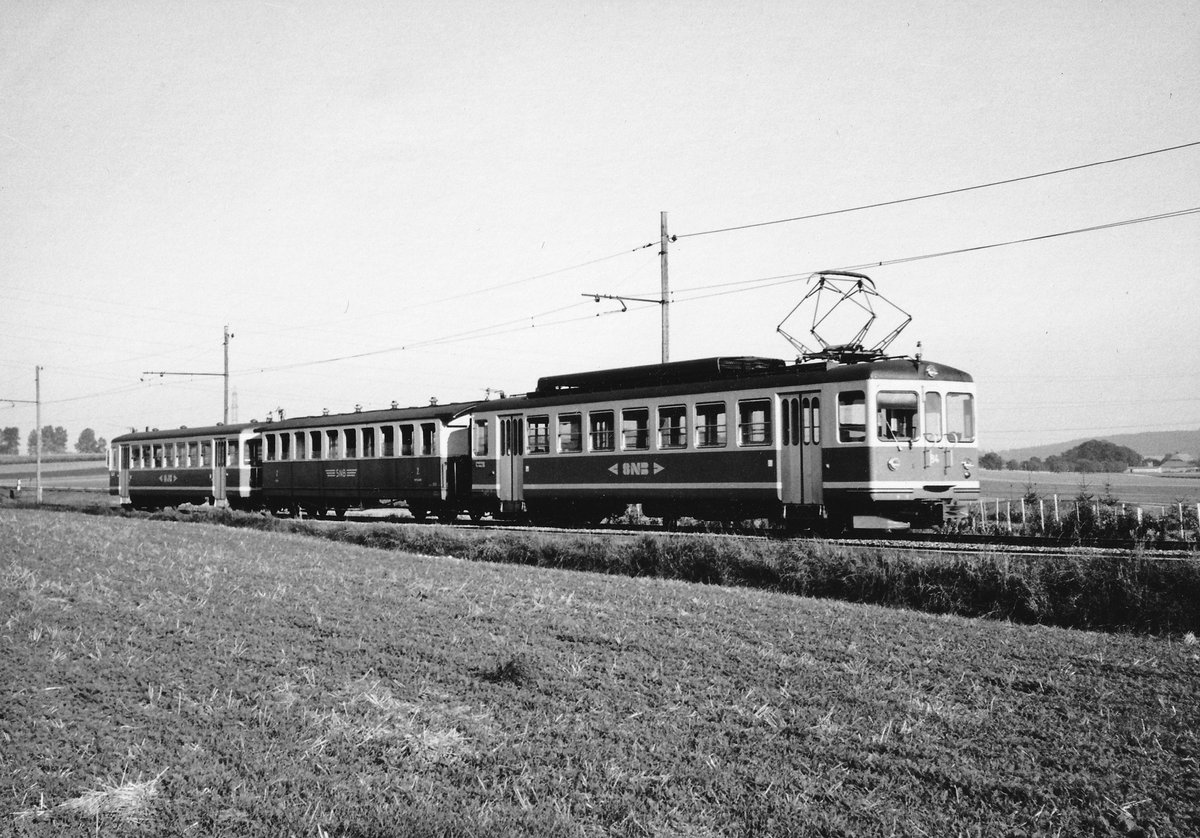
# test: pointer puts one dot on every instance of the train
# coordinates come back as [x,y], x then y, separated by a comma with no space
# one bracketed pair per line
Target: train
[849,440]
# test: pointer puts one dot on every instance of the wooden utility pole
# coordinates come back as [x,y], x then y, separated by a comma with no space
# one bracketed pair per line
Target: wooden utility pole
[37,428]
[665,305]
[227,337]
[37,423]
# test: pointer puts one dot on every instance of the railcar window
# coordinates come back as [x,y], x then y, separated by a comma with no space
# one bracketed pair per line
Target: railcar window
[298,445]
[406,440]
[480,446]
[672,426]
[635,428]
[710,425]
[158,456]
[852,416]
[206,453]
[233,452]
[960,416]
[254,452]
[600,430]
[270,447]
[754,422]
[350,439]
[815,421]
[895,415]
[285,446]
[334,451]
[933,417]
[570,433]
[428,430]
[388,432]
[537,439]
[314,444]
[368,444]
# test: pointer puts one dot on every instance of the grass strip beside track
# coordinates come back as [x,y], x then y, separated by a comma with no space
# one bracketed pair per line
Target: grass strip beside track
[169,679]
[1122,593]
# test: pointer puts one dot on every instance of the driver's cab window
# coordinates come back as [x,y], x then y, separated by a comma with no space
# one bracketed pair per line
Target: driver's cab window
[895,415]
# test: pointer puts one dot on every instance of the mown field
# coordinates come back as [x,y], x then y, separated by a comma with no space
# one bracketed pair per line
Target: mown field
[80,471]
[1146,489]
[169,678]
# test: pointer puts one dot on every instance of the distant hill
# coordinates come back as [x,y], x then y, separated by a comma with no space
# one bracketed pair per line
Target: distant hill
[1148,444]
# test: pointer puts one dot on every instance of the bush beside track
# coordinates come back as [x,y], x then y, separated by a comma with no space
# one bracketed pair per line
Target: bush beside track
[1098,592]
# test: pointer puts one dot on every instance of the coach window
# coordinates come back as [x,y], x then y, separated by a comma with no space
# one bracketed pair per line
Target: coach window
[960,417]
[852,416]
[206,453]
[570,433]
[285,446]
[157,459]
[480,437]
[333,450]
[754,422]
[314,444]
[815,420]
[933,417]
[388,432]
[600,430]
[232,456]
[368,442]
[350,443]
[537,439]
[710,425]
[406,440]
[895,415]
[298,445]
[635,428]
[428,438]
[672,426]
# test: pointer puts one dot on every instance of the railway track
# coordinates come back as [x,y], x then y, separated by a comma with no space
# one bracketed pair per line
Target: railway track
[962,543]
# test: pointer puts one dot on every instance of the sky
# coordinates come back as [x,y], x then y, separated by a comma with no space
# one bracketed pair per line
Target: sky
[399,201]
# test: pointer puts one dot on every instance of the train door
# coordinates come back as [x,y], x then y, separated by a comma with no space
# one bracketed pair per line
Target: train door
[123,471]
[800,448]
[218,473]
[510,466]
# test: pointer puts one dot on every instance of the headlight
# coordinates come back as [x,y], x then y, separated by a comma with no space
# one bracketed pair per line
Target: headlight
[967,466]
[894,463]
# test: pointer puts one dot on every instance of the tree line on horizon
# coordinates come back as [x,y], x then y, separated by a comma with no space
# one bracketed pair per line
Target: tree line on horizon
[1091,457]
[54,441]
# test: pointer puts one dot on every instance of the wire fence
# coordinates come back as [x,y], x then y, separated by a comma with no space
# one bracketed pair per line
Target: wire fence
[1084,516]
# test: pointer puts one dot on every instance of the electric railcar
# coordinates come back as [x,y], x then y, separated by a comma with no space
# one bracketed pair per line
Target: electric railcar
[870,443]
[873,444]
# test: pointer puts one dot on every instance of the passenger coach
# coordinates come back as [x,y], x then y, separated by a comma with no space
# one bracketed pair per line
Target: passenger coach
[156,468]
[414,456]
[875,443]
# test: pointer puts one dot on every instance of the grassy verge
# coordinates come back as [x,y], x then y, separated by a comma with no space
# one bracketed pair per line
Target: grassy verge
[161,679]
[1128,593]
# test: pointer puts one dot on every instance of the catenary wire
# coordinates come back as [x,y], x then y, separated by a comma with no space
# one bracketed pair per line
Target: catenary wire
[940,194]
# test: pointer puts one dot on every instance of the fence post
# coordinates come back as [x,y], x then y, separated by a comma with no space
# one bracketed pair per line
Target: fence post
[1008,514]
[1139,511]
[1057,520]
[1181,537]
[982,515]
[1042,514]
[1024,520]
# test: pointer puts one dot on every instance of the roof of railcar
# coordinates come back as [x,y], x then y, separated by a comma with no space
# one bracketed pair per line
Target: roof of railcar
[715,375]
[439,412]
[184,432]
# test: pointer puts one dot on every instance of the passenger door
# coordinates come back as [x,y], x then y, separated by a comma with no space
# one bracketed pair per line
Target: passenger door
[800,448]
[510,465]
[218,472]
